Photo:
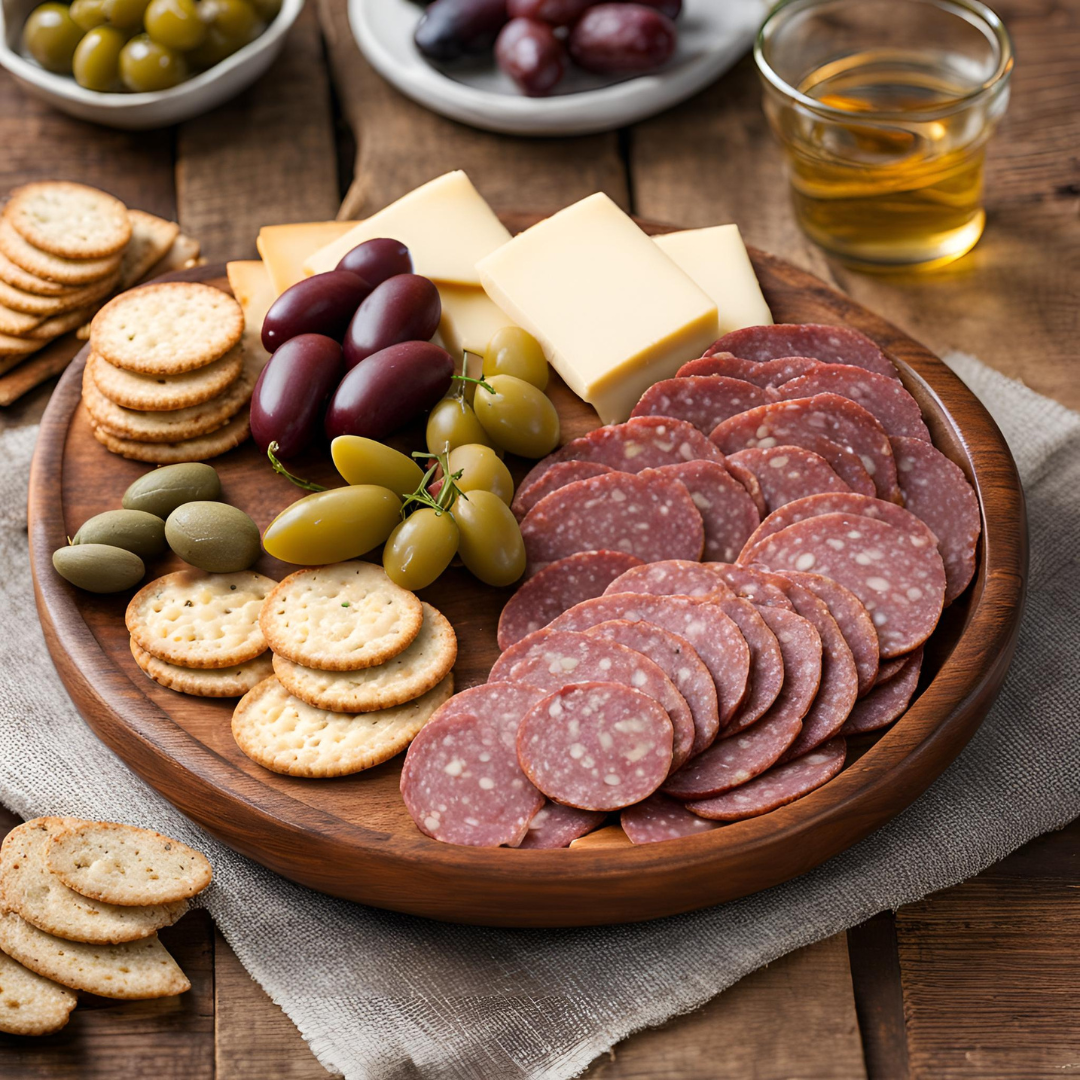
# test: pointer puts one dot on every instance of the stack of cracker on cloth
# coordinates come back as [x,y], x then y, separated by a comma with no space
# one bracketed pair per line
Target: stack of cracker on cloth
[80,906]
[65,248]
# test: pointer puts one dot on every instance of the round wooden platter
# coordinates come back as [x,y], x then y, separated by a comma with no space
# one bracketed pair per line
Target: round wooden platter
[352,838]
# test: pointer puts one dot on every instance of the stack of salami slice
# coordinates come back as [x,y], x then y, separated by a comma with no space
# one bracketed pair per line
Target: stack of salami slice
[720,592]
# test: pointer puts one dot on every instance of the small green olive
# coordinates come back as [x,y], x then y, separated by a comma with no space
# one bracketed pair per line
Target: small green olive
[513,351]
[367,461]
[133,530]
[126,14]
[213,536]
[146,65]
[163,490]
[420,548]
[97,59]
[491,546]
[453,423]
[481,470]
[98,568]
[175,24]
[88,13]
[50,36]
[517,416]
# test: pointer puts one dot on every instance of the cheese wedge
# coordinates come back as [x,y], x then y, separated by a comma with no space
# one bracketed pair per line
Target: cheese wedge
[716,259]
[611,311]
[446,225]
[469,319]
[250,284]
[285,247]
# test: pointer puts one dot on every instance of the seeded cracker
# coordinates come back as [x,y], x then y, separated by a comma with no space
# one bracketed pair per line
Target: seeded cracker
[30,1004]
[217,682]
[70,220]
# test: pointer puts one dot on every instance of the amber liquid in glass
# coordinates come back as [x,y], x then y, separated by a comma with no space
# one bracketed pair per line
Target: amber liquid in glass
[888,193]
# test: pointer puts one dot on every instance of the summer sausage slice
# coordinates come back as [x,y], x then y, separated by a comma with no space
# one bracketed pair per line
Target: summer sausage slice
[558,475]
[766,374]
[829,344]
[555,826]
[660,818]
[936,490]
[788,473]
[899,578]
[653,518]
[461,781]
[672,577]
[890,669]
[887,702]
[596,745]
[558,587]
[760,588]
[781,785]
[703,401]
[753,488]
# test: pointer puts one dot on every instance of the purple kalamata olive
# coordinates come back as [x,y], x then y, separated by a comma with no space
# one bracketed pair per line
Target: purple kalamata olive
[405,307]
[322,304]
[622,39]
[377,260]
[530,53]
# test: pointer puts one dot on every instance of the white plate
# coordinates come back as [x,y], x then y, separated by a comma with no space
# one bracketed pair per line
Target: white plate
[141,111]
[713,34]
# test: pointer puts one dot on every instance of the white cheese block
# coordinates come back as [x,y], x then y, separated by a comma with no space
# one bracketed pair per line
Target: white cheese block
[612,312]
[469,319]
[446,225]
[716,259]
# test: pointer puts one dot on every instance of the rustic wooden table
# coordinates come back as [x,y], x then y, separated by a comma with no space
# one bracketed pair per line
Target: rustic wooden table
[975,982]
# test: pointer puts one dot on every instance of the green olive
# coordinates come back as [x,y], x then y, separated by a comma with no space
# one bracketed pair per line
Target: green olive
[513,351]
[88,13]
[175,23]
[146,65]
[162,490]
[50,36]
[133,530]
[332,526]
[97,59]
[453,423]
[126,14]
[98,568]
[420,548]
[231,24]
[366,461]
[491,545]
[213,536]
[267,10]
[481,470]
[517,416]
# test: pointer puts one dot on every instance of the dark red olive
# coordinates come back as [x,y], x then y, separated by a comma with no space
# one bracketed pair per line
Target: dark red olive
[450,29]
[403,308]
[287,404]
[553,12]
[390,388]
[622,39]
[377,260]
[322,304]
[530,53]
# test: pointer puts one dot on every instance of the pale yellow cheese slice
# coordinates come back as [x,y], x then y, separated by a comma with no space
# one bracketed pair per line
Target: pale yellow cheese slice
[285,247]
[250,284]
[470,319]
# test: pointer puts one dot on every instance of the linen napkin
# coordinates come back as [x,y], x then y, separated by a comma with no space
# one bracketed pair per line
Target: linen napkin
[381,996]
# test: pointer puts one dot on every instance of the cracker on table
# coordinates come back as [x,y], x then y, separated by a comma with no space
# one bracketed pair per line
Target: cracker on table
[53,267]
[48,306]
[13,274]
[71,220]
[340,617]
[122,865]
[32,891]
[132,970]
[167,328]
[29,1003]
[151,238]
[413,672]
[206,682]
[199,449]
[160,393]
[286,735]
[200,620]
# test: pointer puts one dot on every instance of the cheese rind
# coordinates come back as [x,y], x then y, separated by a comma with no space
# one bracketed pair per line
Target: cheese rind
[611,311]
[285,247]
[716,259]
[446,225]
[470,319]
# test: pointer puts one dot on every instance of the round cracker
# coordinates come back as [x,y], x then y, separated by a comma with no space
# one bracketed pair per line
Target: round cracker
[17,323]
[125,866]
[201,449]
[53,267]
[31,890]
[160,393]
[62,324]
[73,221]
[167,328]
[14,275]
[286,735]
[48,306]
[198,620]
[29,1003]
[213,683]
[340,617]
[410,674]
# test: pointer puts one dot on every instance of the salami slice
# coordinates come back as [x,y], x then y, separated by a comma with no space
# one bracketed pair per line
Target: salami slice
[554,826]
[660,818]
[728,513]
[558,587]
[761,589]
[558,475]
[711,633]
[596,746]
[788,473]
[734,760]
[753,488]
[936,490]
[672,577]
[781,785]
[766,373]
[550,659]
[804,421]
[888,400]
[899,578]
[829,344]
[703,401]
[461,781]
[888,702]
[653,518]
[890,669]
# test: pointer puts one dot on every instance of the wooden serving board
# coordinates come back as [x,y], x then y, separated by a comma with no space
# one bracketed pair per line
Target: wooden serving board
[352,837]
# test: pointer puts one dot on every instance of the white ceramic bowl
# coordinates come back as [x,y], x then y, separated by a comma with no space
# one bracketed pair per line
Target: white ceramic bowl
[713,34]
[161,108]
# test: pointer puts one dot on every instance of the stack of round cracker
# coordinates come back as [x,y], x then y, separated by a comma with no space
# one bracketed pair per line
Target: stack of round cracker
[82,904]
[168,379]
[360,665]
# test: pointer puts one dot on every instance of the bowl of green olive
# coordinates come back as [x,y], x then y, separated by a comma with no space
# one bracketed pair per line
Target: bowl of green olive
[141,64]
